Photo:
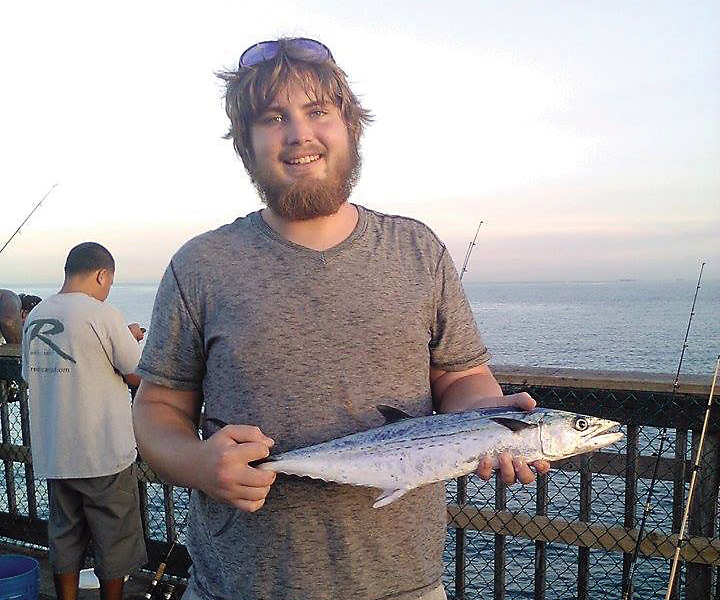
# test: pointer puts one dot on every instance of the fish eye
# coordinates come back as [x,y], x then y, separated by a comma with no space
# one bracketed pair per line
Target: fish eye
[581,424]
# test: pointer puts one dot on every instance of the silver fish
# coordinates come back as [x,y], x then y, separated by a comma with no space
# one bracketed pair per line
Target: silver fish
[408,452]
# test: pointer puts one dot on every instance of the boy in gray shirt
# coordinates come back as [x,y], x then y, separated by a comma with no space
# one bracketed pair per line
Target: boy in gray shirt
[295,322]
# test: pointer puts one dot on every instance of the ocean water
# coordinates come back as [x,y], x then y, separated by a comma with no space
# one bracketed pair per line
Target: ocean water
[621,325]
[617,325]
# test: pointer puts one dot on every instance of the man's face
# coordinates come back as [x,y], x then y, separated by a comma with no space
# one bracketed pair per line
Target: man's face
[304,161]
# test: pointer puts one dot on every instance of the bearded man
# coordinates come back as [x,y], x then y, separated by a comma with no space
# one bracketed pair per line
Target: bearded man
[293,323]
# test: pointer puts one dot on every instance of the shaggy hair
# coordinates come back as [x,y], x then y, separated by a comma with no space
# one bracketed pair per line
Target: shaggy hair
[250,90]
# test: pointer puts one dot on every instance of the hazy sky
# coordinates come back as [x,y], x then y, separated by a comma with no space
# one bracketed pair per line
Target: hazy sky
[585,134]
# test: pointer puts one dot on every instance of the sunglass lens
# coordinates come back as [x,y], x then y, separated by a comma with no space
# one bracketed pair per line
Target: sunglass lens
[258,53]
[309,50]
[299,48]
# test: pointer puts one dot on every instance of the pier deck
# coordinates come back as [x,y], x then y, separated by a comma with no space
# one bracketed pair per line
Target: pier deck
[135,587]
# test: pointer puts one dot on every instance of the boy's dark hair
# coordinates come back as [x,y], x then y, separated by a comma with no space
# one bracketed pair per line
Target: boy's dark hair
[29,301]
[88,257]
[250,90]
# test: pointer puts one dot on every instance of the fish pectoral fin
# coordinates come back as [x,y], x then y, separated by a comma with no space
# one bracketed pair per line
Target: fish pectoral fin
[392,415]
[513,424]
[388,496]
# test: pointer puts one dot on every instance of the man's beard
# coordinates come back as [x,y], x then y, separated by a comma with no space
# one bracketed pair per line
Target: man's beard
[308,198]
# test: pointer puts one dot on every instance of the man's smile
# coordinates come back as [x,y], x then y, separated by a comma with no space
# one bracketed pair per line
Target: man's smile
[303,160]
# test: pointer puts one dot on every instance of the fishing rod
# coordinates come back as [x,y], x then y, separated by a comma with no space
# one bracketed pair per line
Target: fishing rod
[462,481]
[30,215]
[663,439]
[693,479]
[161,567]
[469,251]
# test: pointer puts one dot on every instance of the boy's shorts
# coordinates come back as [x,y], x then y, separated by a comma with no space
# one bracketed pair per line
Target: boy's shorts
[107,507]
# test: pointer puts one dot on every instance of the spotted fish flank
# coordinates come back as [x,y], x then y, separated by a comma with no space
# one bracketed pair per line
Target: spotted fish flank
[408,452]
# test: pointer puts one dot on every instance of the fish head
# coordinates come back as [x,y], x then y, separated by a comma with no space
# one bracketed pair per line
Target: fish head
[564,434]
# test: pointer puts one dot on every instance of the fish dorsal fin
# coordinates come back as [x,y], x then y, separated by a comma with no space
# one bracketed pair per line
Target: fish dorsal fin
[513,424]
[392,415]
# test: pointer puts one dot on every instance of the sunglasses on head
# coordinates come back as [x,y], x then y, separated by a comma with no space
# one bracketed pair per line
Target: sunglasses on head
[298,48]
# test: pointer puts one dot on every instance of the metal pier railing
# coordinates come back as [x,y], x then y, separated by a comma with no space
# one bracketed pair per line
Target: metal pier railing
[570,535]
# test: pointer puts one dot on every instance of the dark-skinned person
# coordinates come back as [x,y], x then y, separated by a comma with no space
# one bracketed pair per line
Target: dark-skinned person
[10,319]
[28,302]
[78,357]
[292,324]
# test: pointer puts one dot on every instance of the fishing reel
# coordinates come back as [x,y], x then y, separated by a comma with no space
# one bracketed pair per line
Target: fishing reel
[160,591]
[169,593]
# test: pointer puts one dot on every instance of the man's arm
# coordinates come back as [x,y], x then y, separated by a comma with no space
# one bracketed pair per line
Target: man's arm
[456,391]
[165,422]
[10,320]
[138,333]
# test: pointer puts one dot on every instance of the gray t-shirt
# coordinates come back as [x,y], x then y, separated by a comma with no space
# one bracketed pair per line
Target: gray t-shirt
[305,344]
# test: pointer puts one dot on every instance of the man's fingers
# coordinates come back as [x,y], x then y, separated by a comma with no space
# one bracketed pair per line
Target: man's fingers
[485,468]
[236,470]
[248,485]
[512,469]
[523,473]
[524,401]
[258,477]
[250,451]
[507,471]
[541,466]
[137,332]
[249,505]
[252,494]
[247,433]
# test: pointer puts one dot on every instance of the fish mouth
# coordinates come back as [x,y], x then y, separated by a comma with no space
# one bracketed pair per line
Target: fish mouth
[606,434]
[605,439]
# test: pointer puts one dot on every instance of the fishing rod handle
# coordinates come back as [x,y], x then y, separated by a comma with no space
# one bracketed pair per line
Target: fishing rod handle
[153,584]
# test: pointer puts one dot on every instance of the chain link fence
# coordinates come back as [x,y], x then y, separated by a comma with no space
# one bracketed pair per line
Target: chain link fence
[573,534]
[570,535]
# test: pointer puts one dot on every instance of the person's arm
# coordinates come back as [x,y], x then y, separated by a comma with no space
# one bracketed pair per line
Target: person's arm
[132,380]
[456,391]
[165,422]
[138,333]
[10,320]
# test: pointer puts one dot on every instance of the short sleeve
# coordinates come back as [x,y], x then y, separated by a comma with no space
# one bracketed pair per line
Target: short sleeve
[124,350]
[25,356]
[174,353]
[456,343]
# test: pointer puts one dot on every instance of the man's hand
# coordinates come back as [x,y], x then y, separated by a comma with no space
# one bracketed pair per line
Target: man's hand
[455,391]
[512,469]
[226,475]
[137,332]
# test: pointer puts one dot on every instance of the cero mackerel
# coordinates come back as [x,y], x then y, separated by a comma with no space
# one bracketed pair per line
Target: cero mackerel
[408,452]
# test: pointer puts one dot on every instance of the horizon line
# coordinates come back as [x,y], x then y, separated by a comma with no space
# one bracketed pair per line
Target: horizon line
[11,285]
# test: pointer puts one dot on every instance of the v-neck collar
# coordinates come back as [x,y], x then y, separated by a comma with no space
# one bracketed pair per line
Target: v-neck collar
[320,255]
